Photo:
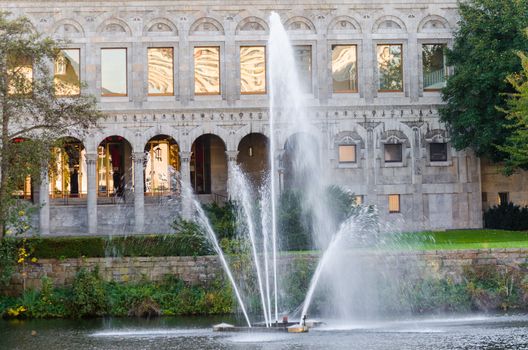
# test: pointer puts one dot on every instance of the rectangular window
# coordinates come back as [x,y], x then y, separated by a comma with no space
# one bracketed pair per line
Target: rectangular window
[67,78]
[344,68]
[113,72]
[504,198]
[160,71]
[347,153]
[434,68]
[19,74]
[438,152]
[207,70]
[303,60]
[393,152]
[390,68]
[252,70]
[358,200]
[394,203]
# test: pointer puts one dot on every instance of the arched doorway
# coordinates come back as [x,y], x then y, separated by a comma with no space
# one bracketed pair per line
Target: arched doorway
[209,165]
[114,166]
[67,173]
[22,185]
[162,166]
[301,157]
[253,157]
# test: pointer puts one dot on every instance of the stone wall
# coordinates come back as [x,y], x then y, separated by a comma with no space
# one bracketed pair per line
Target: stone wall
[494,182]
[203,269]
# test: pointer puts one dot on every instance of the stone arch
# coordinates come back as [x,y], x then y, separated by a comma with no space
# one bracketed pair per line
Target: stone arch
[160,26]
[301,155]
[300,24]
[252,25]
[162,165]
[349,138]
[206,25]
[209,165]
[389,24]
[68,173]
[433,24]
[68,28]
[393,136]
[253,156]
[435,135]
[114,166]
[125,133]
[344,24]
[114,26]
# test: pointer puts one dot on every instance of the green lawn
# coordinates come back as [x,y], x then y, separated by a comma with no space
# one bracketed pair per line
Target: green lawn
[462,239]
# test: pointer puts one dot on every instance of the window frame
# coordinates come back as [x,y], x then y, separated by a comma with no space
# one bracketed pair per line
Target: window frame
[446,152]
[332,46]
[394,195]
[80,72]
[126,72]
[172,73]
[378,73]
[265,92]
[312,60]
[339,153]
[220,90]
[400,144]
[445,68]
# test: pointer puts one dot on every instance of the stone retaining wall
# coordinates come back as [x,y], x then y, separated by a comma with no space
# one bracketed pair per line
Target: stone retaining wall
[203,269]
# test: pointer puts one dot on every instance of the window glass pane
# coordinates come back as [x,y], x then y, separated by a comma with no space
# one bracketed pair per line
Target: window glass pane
[358,199]
[347,153]
[160,71]
[438,152]
[20,74]
[113,72]
[303,60]
[390,67]
[206,70]
[67,77]
[393,152]
[344,72]
[394,203]
[504,198]
[252,70]
[434,70]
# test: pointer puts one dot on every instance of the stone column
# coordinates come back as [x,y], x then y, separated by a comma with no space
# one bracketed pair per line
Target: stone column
[231,160]
[44,202]
[139,191]
[185,181]
[231,164]
[91,159]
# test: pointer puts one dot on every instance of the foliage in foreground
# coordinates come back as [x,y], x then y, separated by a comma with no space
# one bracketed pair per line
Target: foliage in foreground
[34,116]
[507,216]
[489,34]
[90,296]
[480,288]
[516,145]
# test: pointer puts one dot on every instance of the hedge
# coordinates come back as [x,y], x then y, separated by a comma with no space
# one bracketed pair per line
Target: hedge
[100,246]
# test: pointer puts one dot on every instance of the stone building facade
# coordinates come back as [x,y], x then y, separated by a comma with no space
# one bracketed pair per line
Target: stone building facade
[417,190]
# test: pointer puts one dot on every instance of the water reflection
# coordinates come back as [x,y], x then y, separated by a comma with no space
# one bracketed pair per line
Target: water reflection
[474,332]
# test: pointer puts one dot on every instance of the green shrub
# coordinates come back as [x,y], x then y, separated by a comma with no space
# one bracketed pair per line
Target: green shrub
[8,257]
[89,295]
[507,216]
[223,218]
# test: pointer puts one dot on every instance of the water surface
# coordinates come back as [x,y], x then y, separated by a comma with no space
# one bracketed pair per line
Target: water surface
[439,333]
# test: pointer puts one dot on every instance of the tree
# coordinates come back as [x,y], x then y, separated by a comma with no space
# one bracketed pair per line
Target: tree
[516,145]
[484,53]
[33,116]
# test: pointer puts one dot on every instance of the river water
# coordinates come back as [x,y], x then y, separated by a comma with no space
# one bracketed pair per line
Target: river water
[435,333]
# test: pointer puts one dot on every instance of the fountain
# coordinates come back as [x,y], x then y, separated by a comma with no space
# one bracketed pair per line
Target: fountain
[288,116]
